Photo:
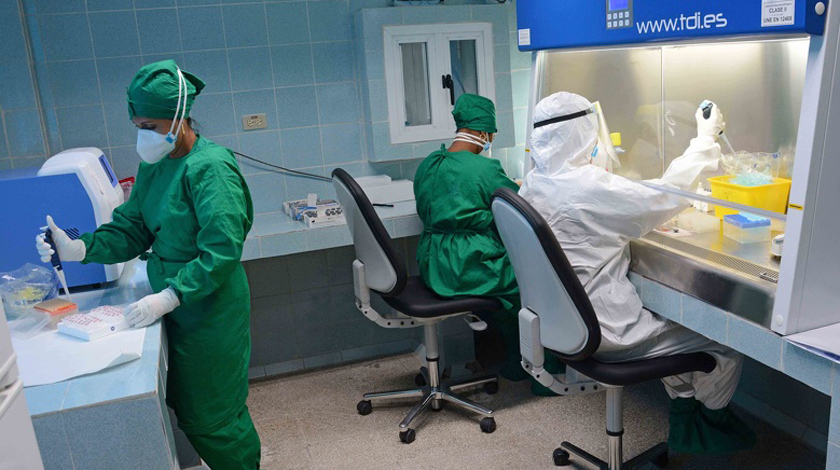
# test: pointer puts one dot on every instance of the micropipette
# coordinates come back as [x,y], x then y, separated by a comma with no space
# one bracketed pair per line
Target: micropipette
[56,263]
[707,113]
[726,141]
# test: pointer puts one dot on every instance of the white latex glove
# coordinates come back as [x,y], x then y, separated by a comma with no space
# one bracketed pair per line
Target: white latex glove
[711,127]
[68,250]
[147,310]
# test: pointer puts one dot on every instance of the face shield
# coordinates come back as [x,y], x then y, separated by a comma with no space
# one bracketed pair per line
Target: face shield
[570,132]
[604,154]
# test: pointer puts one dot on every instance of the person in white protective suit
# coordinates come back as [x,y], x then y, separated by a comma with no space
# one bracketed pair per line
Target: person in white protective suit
[594,214]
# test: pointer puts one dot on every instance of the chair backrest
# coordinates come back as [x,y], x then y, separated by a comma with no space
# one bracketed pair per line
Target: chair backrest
[548,285]
[385,272]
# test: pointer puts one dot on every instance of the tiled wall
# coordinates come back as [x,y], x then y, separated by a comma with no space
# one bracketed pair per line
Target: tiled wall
[98,437]
[293,60]
[369,24]
[520,78]
[303,315]
[21,141]
[763,389]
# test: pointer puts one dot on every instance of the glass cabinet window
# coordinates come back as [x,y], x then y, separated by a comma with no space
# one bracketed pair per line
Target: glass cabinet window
[427,67]
[418,107]
[464,66]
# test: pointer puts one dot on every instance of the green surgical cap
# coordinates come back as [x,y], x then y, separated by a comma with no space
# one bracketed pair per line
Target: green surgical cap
[153,93]
[476,113]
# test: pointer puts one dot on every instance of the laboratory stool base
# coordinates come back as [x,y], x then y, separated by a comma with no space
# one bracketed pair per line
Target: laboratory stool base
[658,455]
[432,397]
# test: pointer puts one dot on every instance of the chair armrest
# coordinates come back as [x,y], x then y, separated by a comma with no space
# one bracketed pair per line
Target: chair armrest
[360,284]
[530,346]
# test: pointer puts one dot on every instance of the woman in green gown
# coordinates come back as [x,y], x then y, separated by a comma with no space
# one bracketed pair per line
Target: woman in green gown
[191,206]
[460,252]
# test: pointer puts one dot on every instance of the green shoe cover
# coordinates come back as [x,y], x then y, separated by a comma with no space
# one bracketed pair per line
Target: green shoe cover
[553,365]
[683,435]
[696,429]
[737,435]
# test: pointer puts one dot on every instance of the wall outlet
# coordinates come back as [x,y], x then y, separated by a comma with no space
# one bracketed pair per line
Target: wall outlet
[254,121]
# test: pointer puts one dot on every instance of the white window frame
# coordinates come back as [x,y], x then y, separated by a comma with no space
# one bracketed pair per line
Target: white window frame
[437,38]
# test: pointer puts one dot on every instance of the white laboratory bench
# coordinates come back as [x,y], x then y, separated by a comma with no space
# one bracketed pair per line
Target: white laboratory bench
[115,418]
[276,234]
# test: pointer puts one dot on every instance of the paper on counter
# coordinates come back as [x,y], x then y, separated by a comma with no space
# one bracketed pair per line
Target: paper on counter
[824,341]
[52,357]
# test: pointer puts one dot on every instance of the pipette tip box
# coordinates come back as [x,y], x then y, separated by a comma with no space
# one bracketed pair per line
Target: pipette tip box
[746,228]
[57,309]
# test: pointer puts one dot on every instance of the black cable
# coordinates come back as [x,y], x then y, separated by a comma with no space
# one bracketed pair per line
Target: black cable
[286,170]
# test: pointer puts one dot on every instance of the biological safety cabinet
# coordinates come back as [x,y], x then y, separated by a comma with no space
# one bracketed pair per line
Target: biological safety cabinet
[771,66]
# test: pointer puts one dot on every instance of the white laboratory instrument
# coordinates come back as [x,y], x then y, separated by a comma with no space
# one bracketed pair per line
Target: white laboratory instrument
[99,182]
[78,188]
[315,212]
[18,445]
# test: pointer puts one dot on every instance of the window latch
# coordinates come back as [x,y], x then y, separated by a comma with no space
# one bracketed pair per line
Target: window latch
[449,83]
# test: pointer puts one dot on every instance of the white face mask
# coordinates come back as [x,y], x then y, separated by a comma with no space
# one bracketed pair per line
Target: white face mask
[152,146]
[475,140]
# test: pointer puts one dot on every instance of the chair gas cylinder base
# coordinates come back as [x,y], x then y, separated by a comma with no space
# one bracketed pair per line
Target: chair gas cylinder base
[432,394]
[557,318]
[658,454]
[379,268]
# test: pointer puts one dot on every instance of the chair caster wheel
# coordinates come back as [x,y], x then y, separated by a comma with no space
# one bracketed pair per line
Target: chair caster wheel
[491,388]
[561,458]
[488,425]
[407,436]
[364,407]
[662,461]
[419,380]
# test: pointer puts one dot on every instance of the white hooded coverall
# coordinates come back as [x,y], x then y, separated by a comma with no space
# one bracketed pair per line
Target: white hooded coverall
[594,214]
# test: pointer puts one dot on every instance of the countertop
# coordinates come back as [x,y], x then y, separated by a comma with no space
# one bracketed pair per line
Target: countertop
[276,234]
[139,377]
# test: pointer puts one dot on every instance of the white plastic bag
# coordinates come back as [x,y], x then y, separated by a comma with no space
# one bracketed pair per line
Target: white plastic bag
[21,290]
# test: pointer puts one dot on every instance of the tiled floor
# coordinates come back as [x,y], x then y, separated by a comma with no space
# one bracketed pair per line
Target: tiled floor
[309,421]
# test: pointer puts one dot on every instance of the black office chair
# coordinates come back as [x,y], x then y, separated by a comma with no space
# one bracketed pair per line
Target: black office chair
[379,268]
[557,315]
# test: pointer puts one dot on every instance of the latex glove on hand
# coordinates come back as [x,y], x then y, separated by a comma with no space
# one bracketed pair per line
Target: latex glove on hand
[713,126]
[147,310]
[68,249]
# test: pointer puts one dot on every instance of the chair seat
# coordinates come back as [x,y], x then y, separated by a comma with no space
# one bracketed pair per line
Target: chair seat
[633,372]
[417,300]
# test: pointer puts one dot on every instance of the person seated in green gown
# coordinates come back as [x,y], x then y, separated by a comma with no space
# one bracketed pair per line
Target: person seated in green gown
[460,252]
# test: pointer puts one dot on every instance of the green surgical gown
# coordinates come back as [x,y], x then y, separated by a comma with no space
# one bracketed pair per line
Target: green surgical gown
[460,252]
[194,213]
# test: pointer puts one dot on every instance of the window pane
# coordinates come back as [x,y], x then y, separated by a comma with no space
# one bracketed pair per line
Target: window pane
[416,84]
[464,66]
